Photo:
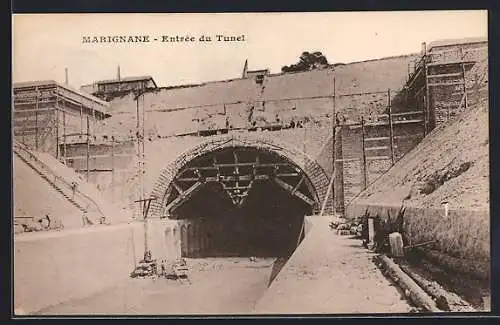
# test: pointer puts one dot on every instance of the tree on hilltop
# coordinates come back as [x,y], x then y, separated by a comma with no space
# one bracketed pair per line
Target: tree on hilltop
[307,61]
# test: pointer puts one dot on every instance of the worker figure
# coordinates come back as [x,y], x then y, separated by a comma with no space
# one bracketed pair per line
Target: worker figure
[337,119]
[163,271]
[103,220]
[74,187]
[86,220]
[45,222]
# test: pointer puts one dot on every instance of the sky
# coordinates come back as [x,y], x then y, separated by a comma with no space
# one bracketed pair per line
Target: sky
[45,44]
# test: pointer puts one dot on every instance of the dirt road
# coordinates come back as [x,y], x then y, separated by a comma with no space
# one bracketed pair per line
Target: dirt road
[218,286]
[331,274]
[327,274]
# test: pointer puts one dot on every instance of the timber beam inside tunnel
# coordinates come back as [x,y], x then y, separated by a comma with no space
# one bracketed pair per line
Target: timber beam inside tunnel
[238,176]
[240,201]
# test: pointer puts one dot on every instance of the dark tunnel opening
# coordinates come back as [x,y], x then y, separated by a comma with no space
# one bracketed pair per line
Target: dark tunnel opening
[268,222]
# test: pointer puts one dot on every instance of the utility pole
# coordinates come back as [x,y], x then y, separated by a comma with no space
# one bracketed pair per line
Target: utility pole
[36,118]
[365,170]
[143,145]
[139,150]
[391,132]
[112,166]
[88,149]
[140,137]
[331,184]
[334,134]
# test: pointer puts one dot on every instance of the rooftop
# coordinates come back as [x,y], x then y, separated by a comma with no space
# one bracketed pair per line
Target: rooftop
[126,79]
[457,41]
[103,106]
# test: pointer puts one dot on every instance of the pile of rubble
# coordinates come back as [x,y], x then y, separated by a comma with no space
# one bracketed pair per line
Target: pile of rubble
[355,227]
[358,229]
[150,268]
[32,224]
[147,267]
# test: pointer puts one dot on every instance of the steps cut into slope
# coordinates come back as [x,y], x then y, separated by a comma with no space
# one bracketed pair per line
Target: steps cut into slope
[35,197]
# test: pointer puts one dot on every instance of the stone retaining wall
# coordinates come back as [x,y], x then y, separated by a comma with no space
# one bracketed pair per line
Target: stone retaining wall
[463,235]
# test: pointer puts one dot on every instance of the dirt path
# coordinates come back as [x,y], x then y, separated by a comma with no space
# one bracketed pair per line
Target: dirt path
[331,274]
[218,286]
[327,274]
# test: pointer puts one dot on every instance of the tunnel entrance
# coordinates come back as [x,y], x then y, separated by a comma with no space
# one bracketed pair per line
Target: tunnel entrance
[240,202]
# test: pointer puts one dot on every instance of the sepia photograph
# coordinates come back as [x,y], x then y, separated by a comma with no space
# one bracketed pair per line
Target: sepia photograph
[299,163]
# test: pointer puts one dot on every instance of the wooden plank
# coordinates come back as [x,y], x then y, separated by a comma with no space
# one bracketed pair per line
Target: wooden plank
[236,169]
[356,126]
[407,113]
[74,134]
[298,184]
[444,75]
[184,196]
[33,110]
[177,187]
[451,83]
[289,188]
[376,148]
[98,170]
[232,178]
[88,150]
[241,164]
[378,157]
[27,128]
[224,178]
[288,174]
[391,131]
[18,102]
[40,109]
[347,159]
[112,168]
[334,151]
[420,90]
[414,77]
[78,98]
[434,64]
[237,187]
[81,118]
[36,119]
[365,171]
[57,130]
[407,121]
[377,139]
[463,80]
[99,156]
[407,136]
[64,136]
[427,100]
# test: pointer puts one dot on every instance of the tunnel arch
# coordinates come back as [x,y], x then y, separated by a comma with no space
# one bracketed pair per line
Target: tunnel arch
[262,142]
